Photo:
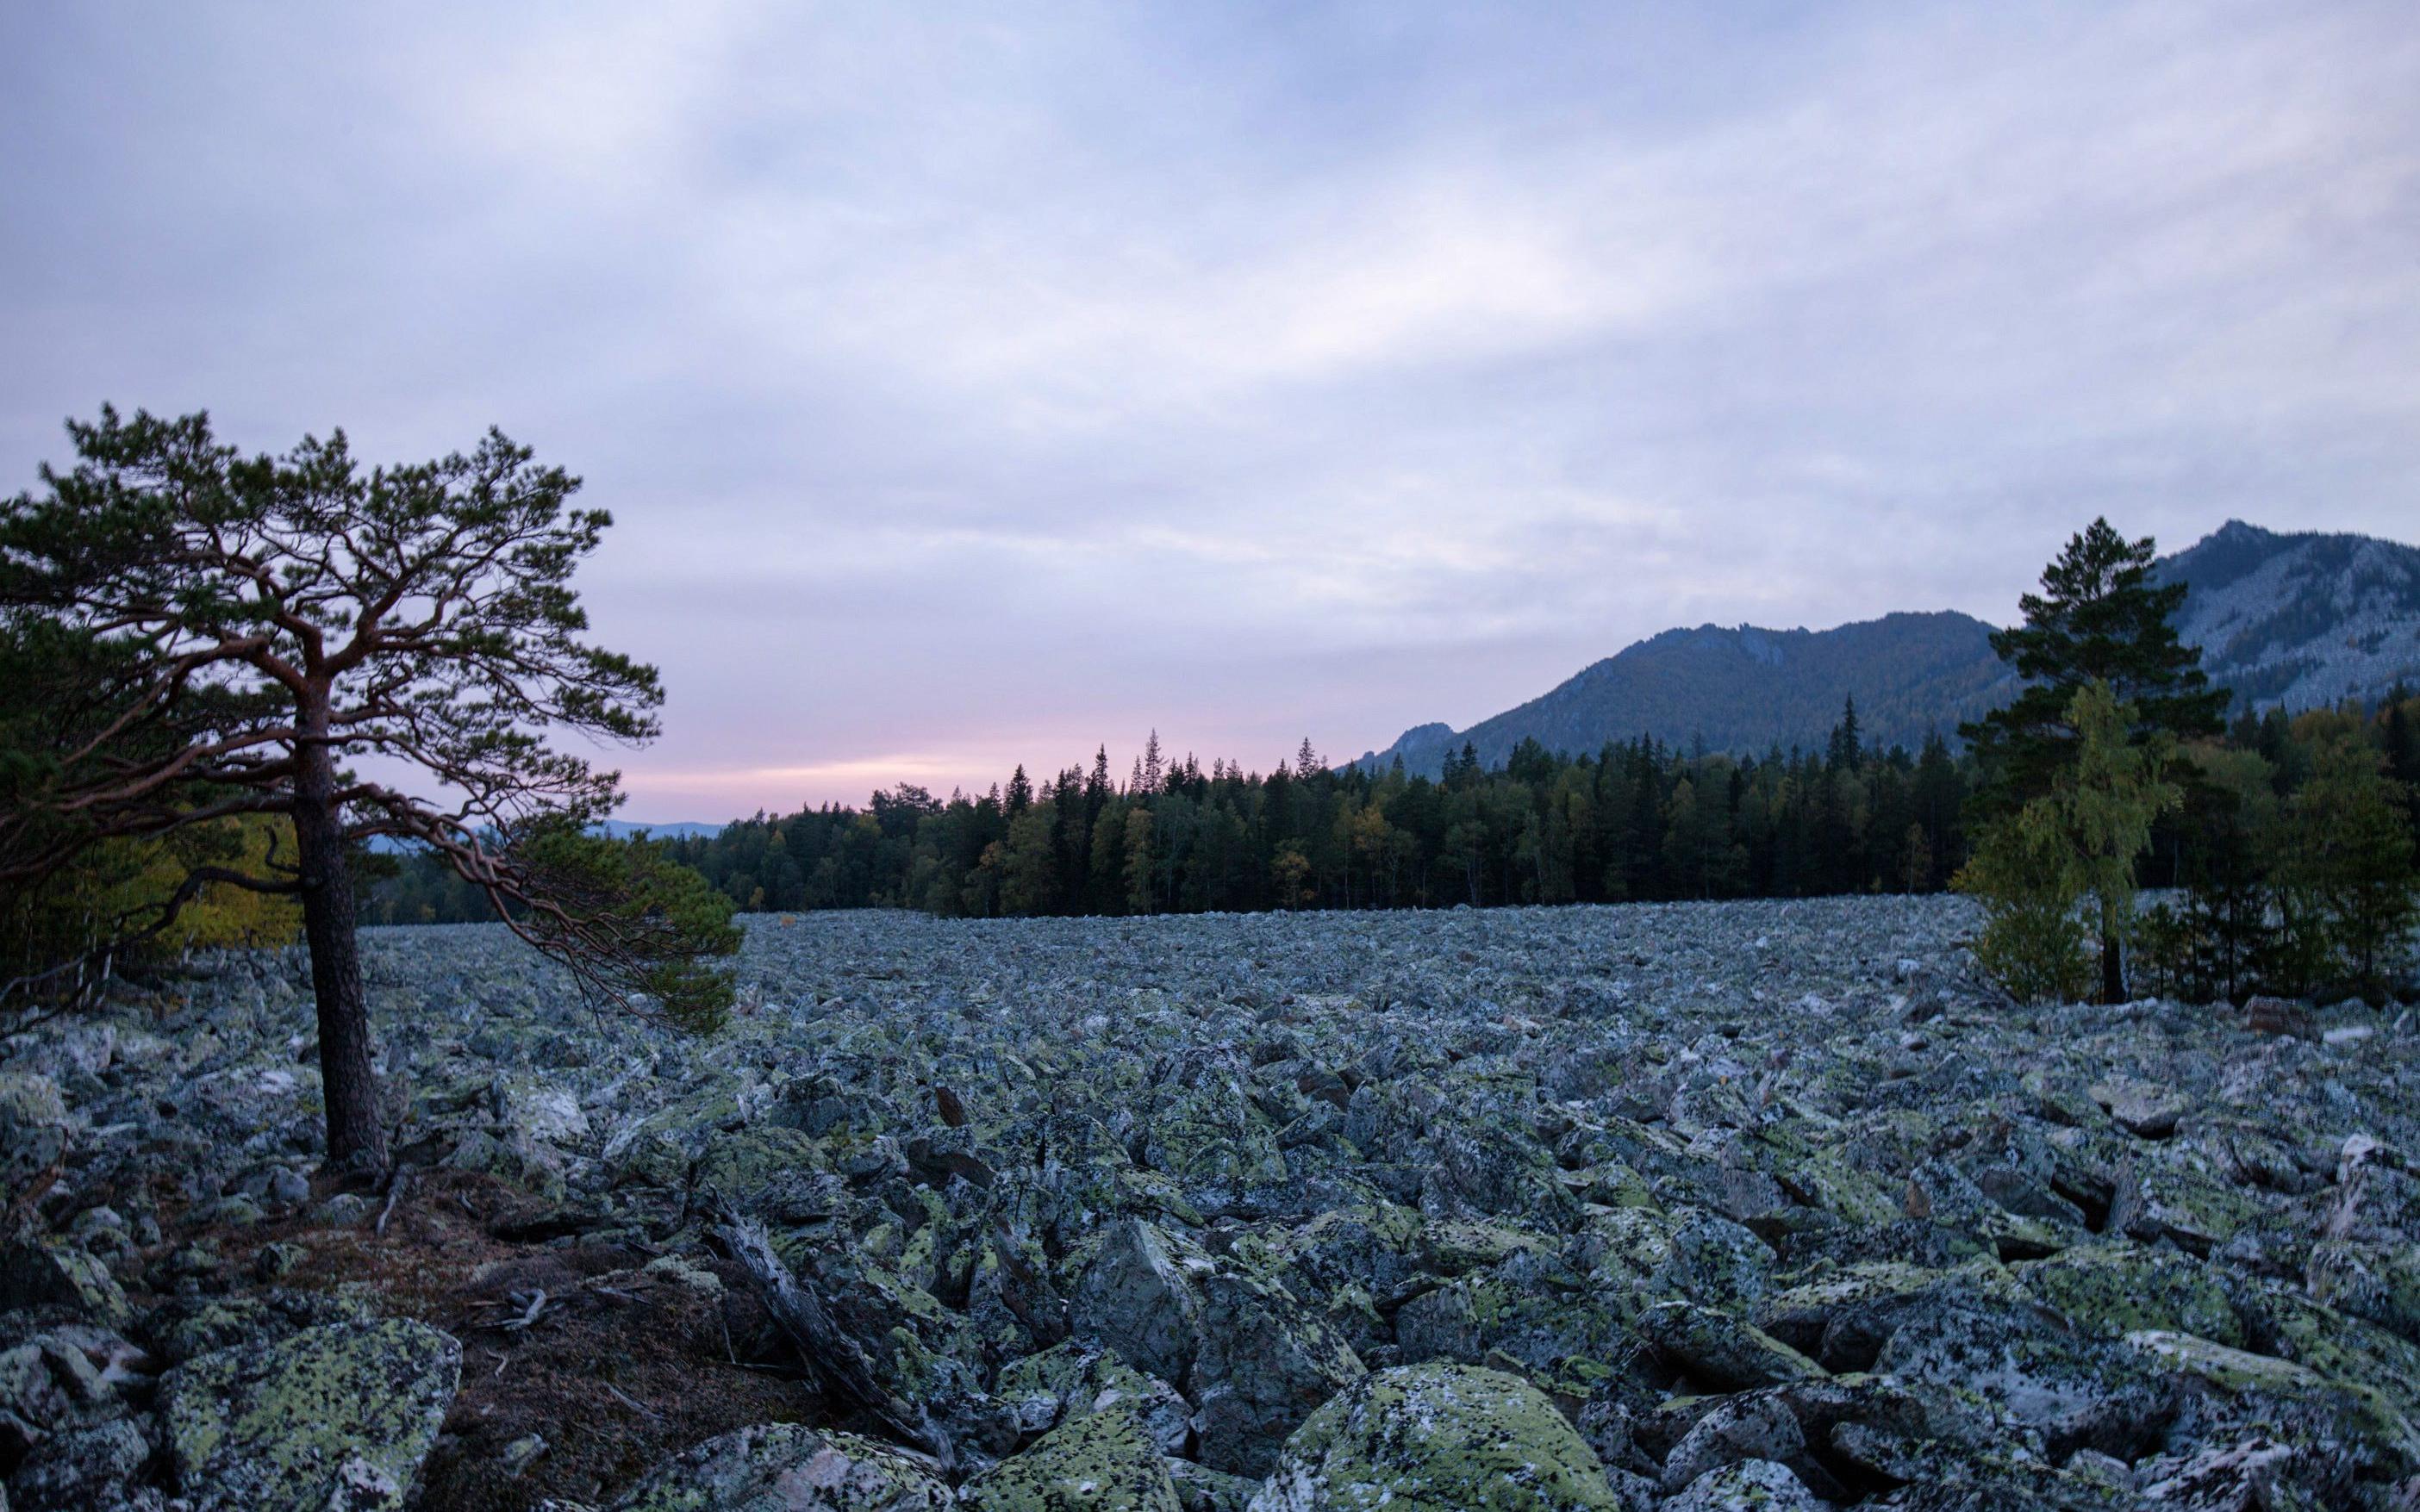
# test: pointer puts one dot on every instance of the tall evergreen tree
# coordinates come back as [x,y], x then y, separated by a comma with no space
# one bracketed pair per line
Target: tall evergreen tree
[2098,618]
[264,620]
[1847,750]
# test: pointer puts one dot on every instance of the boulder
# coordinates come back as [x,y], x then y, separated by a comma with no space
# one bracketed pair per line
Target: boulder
[89,1468]
[2078,1392]
[788,1467]
[1070,1381]
[1102,1461]
[1756,1427]
[336,1416]
[1140,1296]
[1437,1438]
[34,1274]
[1264,1363]
[1721,1349]
[1748,1485]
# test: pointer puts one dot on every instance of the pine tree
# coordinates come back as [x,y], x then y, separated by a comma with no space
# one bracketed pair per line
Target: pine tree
[2101,619]
[261,622]
[2098,618]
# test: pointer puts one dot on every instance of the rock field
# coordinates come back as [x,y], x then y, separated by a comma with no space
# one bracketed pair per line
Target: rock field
[1697,1207]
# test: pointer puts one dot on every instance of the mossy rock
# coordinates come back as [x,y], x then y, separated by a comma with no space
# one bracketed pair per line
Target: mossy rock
[334,1416]
[1100,1463]
[788,1467]
[2377,1283]
[737,1164]
[1071,1379]
[1437,1438]
[2108,1292]
[34,1274]
[2367,1416]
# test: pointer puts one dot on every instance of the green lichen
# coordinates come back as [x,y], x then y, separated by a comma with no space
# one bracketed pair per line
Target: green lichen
[2107,1292]
[1100,1463]
[1439,1438]
[349,1409]
[791,1467]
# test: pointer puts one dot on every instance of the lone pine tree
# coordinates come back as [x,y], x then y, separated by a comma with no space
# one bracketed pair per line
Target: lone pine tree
[236,630]
[2100,618]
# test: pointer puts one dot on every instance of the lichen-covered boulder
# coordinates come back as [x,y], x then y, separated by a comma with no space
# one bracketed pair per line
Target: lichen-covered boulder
[1264,1363]
[2109,1292]
[2256,1393]
[1437,1438]
[1715,1346]
[1199,1488]
[2379,1282]
[1747,1486]
[788,1467]
[2078,1392]
[1070,1381]
[333,1417]
[1101,1462]
[33,1124]
[89,1468]
[186,1328]
[1753,1428]
[1140,1296]
[33,1274]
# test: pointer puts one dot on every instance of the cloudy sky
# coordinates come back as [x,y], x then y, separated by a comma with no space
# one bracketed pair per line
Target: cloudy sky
[979,384]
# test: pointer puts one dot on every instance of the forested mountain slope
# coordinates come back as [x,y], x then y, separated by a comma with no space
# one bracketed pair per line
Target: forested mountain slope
[2304,620]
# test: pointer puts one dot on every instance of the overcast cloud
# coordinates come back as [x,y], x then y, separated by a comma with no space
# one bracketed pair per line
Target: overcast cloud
[979,384]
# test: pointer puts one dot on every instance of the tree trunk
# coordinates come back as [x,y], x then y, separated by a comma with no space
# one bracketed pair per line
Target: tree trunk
[2113,968]
[356,1137]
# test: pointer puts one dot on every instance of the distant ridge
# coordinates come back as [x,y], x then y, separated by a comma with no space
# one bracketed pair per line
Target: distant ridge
[610,830]
[2298,619]
[2302,620]
[682,829]
[1745,688]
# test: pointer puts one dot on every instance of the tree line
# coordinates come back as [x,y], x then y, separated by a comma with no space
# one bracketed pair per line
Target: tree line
[1636,821]
[2283,845]
[196,646]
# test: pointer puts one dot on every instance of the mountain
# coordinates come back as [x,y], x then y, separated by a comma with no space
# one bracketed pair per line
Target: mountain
[684,829]
[1744,689]
[2301,620]
[611,829]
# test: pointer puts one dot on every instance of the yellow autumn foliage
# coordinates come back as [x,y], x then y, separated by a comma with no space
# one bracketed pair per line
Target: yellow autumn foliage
[114,887]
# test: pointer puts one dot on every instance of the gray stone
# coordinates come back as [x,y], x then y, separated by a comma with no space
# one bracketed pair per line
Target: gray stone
[1743,1428]
[1437,1438]
[338,1416]
[788,1467]
[1748,1485]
